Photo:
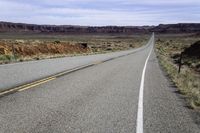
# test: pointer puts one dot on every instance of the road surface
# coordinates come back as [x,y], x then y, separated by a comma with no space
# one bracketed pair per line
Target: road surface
[16,74]
[104,98]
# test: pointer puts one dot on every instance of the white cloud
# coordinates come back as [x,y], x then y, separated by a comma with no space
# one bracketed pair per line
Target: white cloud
[163,2]
[27,12]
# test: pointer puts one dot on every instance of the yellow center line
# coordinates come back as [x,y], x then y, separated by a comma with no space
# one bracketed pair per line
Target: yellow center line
[5,92]
[39,82]
[68,71]
[26,85]
[33,85]
[62,73]
[98,62]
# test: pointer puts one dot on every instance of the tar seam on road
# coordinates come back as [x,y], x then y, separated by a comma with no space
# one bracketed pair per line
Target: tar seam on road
[139,126]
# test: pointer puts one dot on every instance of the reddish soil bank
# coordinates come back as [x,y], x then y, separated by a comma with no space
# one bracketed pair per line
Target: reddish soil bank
[36,49]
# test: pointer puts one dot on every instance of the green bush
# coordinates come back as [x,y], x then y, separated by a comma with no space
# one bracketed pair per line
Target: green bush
[56,42]
[7,58]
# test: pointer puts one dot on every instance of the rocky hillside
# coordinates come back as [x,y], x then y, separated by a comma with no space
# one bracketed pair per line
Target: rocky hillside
[20,27]
[67,29]
[177,28]
[193,50]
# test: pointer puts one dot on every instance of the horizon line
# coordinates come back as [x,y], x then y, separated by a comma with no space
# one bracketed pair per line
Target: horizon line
[98,25]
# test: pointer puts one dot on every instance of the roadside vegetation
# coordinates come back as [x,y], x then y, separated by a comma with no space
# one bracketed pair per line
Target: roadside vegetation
[21,47]
[168,49]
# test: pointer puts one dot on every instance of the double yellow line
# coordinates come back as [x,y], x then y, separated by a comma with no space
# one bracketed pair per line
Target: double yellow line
[42,81]
[27,86]
[36,84]
[45,80]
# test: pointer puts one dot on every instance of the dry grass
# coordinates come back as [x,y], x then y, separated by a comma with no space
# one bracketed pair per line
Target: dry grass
[188,80]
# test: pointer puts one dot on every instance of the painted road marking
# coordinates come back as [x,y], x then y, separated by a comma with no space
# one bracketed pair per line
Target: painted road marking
[23,86]
[97,62]
[72,70]
[27,86]
[31,86]
[6,92]
[139,127]
[42,81]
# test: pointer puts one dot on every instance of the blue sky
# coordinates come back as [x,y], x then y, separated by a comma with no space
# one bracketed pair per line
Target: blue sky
[100,12]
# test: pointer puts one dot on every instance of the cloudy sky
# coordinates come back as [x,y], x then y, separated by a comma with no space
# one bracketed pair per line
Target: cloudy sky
[100,12]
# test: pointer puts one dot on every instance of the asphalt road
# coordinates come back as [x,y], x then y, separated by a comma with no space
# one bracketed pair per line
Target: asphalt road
[12,75]
[101,99]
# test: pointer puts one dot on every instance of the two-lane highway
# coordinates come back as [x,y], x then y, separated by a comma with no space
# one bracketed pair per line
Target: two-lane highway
[104,98]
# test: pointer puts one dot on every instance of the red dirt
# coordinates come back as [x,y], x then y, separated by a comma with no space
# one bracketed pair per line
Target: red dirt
[46,49]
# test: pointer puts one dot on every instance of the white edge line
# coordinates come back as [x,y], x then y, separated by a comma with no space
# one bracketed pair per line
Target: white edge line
[139,127]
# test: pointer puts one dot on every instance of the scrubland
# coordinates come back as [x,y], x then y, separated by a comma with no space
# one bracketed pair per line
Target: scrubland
[24,47]
[168,49]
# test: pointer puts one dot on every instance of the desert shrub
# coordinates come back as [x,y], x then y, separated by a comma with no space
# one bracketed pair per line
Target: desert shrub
[5,57]
[56,42]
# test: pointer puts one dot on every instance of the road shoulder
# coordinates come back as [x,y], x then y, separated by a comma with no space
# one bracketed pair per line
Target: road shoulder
[164,109]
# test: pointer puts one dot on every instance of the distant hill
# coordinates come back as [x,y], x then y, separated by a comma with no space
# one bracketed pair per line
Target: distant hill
[177,28]
[70,29]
